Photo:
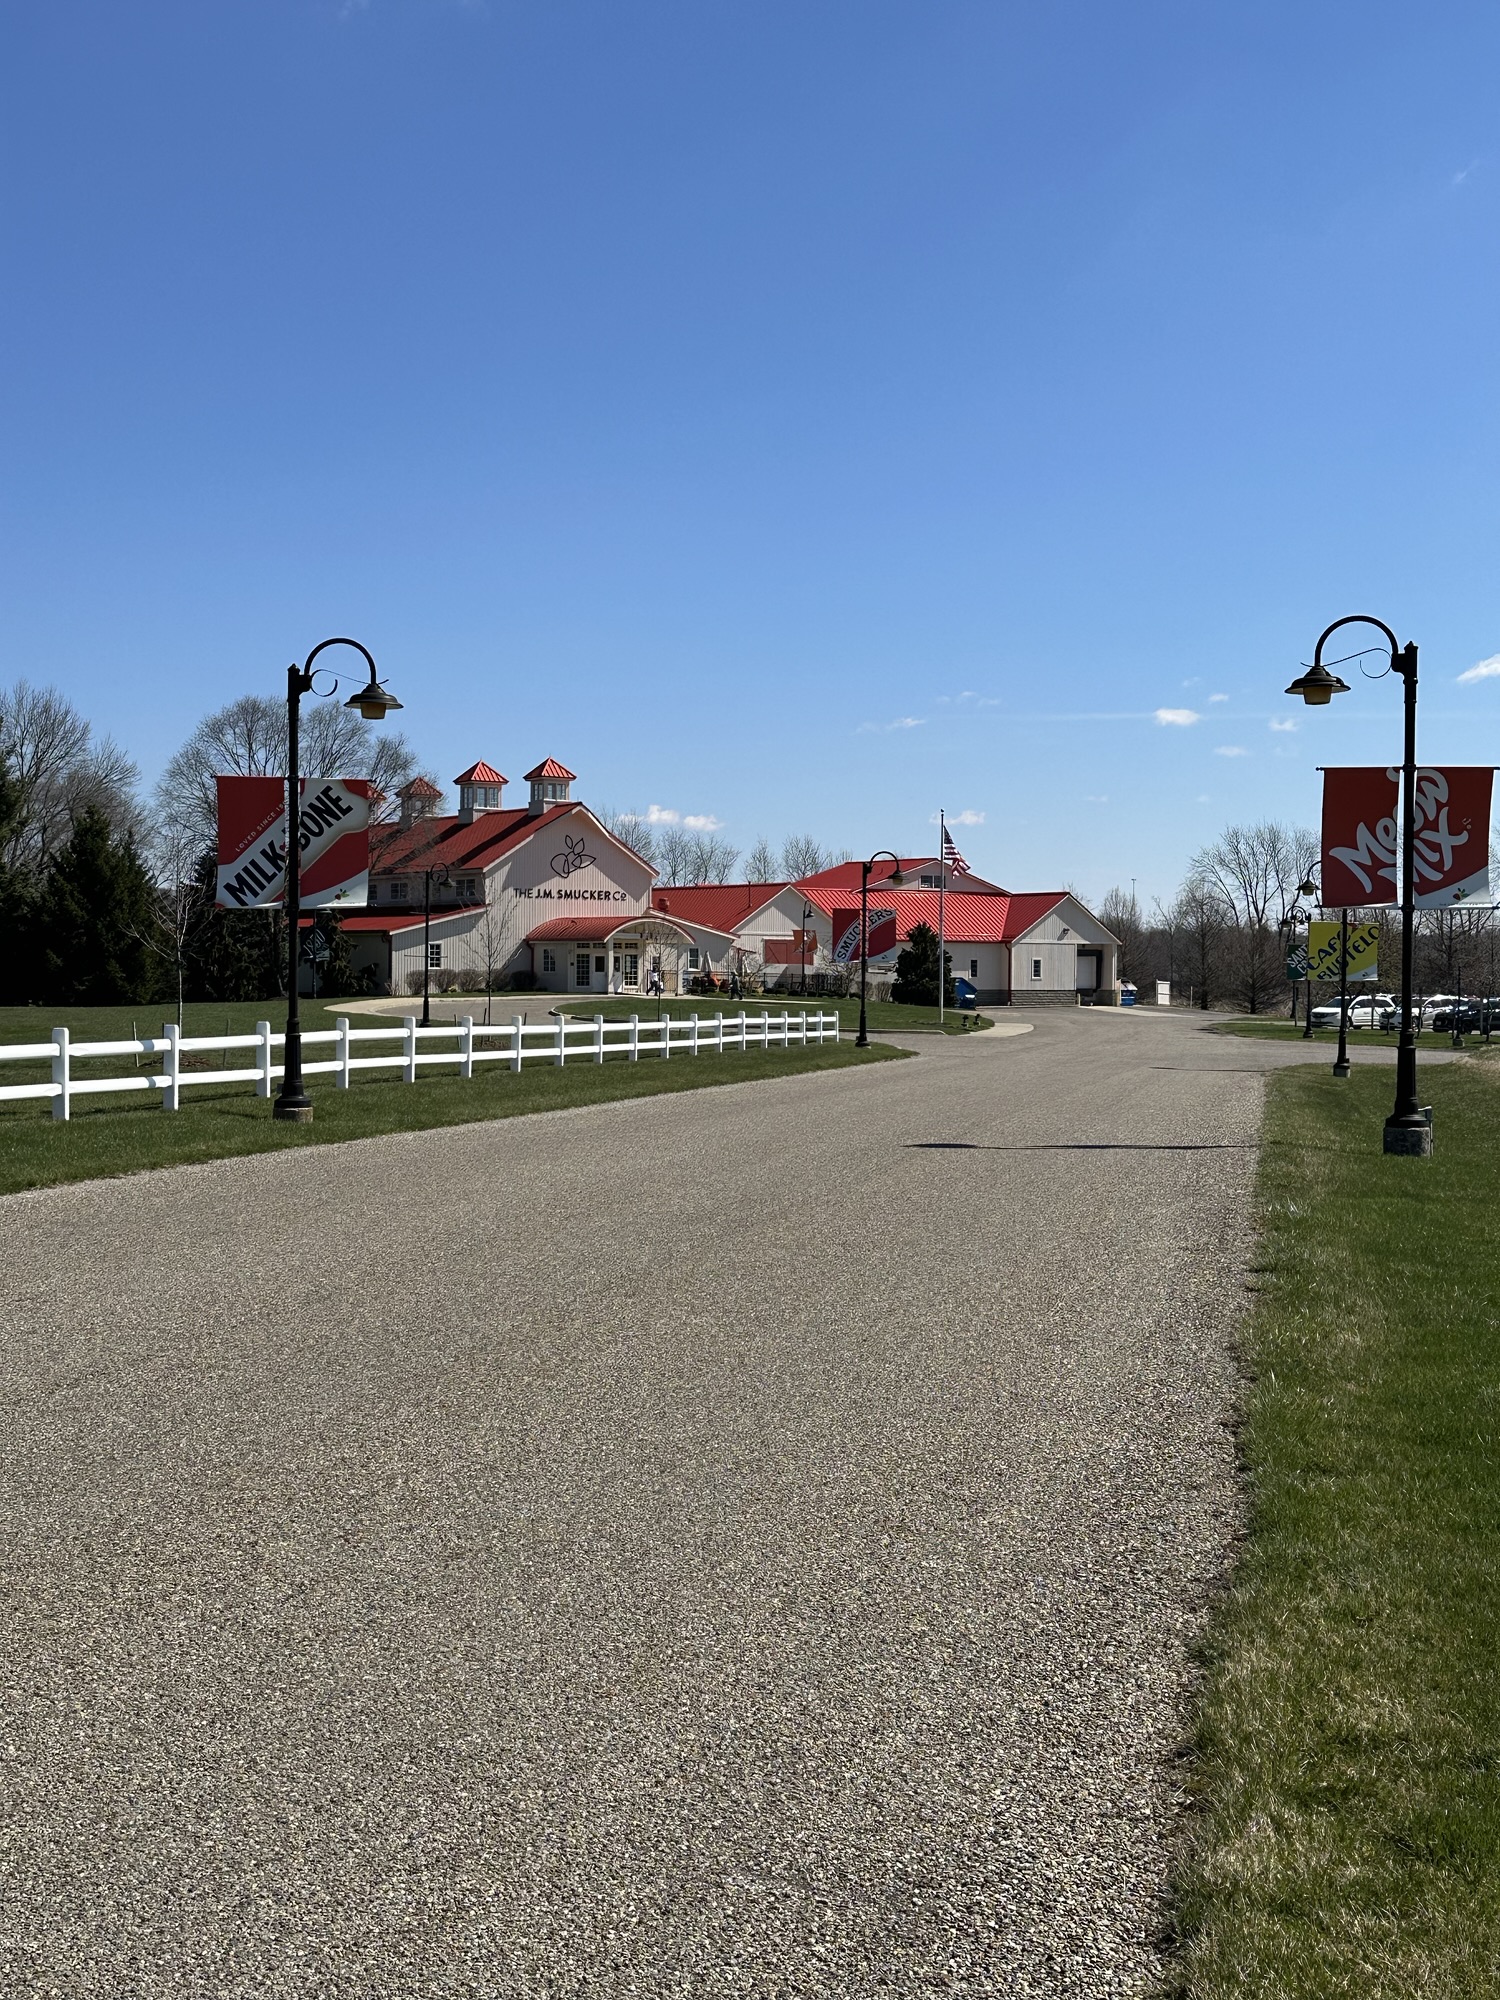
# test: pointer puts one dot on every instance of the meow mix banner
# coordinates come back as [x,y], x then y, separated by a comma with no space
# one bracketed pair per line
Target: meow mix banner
[333,831]
[1361,837]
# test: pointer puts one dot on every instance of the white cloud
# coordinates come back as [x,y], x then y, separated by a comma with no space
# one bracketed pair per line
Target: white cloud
[968,817]
[1220,750]
[1457,181]
[1487,670]
[884,728]
[1212,697]
[1177,718]
[695,822]
[1283,727]
[1089,799]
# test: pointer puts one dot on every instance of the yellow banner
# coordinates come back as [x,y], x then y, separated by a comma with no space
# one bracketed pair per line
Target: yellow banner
[1323,950]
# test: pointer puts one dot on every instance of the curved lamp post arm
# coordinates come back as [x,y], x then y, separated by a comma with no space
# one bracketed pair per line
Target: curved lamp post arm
[862,1039]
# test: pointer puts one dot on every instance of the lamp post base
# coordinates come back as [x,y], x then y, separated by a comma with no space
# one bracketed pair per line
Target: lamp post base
[1412,1141]
[1342,1066]
[292,1113]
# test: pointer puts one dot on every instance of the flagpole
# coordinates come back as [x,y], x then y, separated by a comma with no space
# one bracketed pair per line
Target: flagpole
[942,883]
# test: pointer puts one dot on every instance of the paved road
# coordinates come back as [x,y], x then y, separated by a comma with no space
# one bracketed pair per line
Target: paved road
[739,1543]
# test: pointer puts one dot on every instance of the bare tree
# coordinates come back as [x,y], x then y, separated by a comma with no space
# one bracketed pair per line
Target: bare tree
[247,739]
[183,906]
[1121,913]
[634,829]
[1252,873]
[712,859]
[801,856]
[58,770]
[761,864]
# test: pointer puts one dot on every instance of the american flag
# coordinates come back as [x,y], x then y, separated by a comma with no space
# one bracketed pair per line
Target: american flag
[951,856]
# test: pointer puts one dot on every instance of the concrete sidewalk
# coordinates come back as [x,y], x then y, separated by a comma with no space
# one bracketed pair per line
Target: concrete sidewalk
[737,1543]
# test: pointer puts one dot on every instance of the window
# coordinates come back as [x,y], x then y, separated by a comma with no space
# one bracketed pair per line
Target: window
[549,963]
[932,882]
[1036,968]
[434,955]
[468,887]
[599,962]
[692,959]
[398,892]
[582,968]
[974,969]
[632,968]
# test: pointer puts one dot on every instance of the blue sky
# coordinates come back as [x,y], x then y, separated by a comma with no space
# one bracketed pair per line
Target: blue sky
[802,413]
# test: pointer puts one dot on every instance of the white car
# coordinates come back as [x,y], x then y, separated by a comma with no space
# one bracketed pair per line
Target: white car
[1370,1012]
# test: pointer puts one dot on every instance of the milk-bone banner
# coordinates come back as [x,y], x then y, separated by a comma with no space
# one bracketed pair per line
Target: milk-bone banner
[1361,844]
[333,840]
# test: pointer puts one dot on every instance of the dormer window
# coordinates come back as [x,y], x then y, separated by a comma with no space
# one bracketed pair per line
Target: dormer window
[398,892]
[932,882]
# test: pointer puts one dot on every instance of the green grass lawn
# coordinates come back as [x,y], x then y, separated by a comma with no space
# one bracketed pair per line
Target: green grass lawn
[122,1135]
[1347,1771]
[1261,1027]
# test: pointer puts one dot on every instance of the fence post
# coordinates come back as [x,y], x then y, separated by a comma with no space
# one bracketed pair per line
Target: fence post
[694,1019]
[342,1052]
[744,1033]
[562,1039]
[466,1048]
[171,1068]
[598,1038]
[666,1036]
[635,1038]
[517,1023]
[409,1075]
[263,1081]
[62,1075]
[720,1049]
[786,1028]
[765,1027]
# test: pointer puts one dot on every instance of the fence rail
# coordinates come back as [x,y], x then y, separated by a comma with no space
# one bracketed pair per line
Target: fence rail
[512,1042]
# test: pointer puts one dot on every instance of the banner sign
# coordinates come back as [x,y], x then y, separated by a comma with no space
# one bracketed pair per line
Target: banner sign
[1361,850]
[1453,835]
[1323,950]
[1359,838]
[846,935]
[333,840]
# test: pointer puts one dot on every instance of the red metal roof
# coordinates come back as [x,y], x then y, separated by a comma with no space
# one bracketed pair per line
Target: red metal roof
[976,917]
[420,788]
[719,906]
[551,769]
[457,843]
[588,930]
[846,874]
[480,774]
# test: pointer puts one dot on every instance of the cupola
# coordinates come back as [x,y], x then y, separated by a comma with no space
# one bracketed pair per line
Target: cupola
[551,785]
[479,790]
[419,800]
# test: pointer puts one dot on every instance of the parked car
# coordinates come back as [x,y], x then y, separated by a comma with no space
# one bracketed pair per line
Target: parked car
[1370,1011]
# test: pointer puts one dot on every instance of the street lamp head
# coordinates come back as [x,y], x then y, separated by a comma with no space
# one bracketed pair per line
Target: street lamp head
[896,881]
[1317,686]
[1308,888]
[372,701]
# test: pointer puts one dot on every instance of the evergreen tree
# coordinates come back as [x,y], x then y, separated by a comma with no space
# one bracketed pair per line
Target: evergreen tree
[17,939]
[94,919]
[916,982]
[238,955]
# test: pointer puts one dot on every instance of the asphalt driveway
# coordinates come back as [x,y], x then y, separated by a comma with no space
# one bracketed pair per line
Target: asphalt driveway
[744,1542]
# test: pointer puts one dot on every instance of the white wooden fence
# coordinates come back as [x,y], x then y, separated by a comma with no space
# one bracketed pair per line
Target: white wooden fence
[514,1042]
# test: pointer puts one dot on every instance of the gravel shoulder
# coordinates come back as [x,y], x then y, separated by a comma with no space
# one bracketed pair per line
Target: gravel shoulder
[741,1543]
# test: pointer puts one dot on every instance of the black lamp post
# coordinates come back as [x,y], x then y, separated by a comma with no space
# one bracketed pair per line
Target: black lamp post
[372,701]
[892,881]
[1407,1129]
[806,913]
[437,873]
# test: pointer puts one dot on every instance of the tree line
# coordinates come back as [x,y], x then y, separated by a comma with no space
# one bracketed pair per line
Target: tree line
[1223,939]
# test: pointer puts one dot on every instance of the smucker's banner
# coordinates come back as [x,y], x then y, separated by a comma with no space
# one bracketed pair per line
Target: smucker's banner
[1361,847]
[846,935]
[333,836]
